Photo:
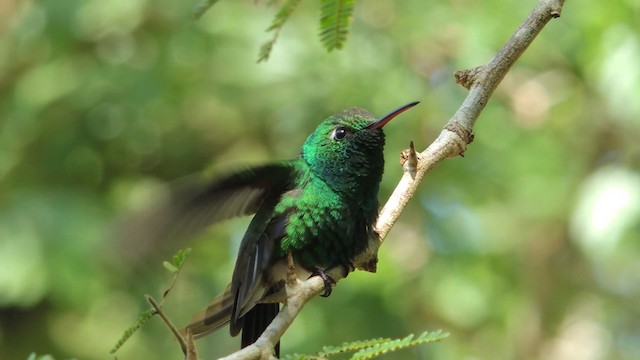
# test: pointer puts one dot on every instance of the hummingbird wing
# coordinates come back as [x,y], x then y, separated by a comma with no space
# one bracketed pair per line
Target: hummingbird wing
[249,284]
[191,206]
[255,190]
[251,280]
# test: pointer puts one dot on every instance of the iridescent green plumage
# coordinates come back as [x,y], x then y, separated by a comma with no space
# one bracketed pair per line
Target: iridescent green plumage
[334,204]
[320,207]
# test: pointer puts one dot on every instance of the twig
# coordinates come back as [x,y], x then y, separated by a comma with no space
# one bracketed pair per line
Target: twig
[192,353]
[452,141]
[158,310]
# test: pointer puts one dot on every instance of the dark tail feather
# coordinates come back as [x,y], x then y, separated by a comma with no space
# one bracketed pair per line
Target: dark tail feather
[256,321]
[215,316]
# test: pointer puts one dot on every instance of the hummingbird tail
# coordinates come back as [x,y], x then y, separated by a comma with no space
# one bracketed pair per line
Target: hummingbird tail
[256,321]
[216,315]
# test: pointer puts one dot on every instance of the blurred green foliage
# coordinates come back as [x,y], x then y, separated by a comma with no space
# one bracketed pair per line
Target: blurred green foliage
[526,248]
[373,348]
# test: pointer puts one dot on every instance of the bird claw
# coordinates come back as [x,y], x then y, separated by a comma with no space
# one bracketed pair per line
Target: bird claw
[328,281]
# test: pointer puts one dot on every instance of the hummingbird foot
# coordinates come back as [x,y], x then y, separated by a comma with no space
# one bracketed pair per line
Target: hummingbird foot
[328,281]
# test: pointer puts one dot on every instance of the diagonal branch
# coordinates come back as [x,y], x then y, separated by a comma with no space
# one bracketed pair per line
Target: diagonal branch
[458,132]
[452,141]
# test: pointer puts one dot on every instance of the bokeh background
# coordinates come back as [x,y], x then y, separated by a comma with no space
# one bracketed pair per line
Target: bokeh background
[527,248]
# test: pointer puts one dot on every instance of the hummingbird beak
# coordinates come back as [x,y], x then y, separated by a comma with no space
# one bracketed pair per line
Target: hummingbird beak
[385,119]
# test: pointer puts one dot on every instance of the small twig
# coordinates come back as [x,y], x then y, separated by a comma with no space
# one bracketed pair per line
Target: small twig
[192,353]
[158,310]
[174,267]
[409,160]
[166,292]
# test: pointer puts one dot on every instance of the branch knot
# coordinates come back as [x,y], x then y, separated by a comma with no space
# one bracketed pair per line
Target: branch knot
[465,136]
[468,77]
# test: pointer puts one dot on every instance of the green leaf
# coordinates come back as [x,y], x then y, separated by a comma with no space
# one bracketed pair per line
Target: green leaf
[335,16]
[398,344]
[169,266]
[179,257]
[130,331]
[278,22]
[368,349]
[352,346]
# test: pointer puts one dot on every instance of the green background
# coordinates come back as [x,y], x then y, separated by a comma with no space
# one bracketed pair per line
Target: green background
[526,248]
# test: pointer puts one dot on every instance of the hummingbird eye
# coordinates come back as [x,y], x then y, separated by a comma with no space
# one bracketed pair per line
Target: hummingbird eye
[339,133]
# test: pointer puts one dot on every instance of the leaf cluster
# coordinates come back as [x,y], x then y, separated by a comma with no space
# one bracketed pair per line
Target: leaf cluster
[369,349]
[335,17]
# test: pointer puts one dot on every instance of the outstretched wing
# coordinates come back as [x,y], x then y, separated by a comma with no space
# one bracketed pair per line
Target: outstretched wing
[193,205]
[250,281]
[237,194]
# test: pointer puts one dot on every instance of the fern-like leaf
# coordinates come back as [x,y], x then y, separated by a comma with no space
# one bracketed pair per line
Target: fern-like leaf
[352,346]
[297,356]
[398,344]
[335,16]
[369,349]
[131,330]
[278,22]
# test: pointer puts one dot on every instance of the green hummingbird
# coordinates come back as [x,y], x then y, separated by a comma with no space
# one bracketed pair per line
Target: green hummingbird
[320,207]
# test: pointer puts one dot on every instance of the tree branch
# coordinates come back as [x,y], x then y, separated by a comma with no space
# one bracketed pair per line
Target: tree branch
[452,141]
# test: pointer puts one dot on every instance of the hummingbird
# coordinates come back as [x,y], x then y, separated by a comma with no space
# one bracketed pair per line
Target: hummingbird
[320,207]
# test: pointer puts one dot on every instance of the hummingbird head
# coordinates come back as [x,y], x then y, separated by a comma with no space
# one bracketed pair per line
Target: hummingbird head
[345,150]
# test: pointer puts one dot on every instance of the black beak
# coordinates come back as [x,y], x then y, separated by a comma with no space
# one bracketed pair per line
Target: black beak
[385,119]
